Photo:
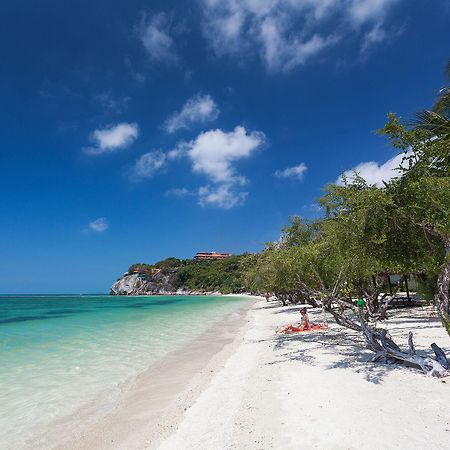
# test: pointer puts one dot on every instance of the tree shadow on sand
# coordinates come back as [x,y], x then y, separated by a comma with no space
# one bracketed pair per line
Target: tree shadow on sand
[344,349]
[269,305]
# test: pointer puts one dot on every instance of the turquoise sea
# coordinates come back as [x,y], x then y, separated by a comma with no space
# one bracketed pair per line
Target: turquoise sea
[58,352]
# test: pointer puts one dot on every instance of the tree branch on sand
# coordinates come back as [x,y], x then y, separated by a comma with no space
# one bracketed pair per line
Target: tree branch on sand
[378,339]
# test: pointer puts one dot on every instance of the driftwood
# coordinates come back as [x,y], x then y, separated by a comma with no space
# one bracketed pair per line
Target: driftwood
[387,350]
[378,339]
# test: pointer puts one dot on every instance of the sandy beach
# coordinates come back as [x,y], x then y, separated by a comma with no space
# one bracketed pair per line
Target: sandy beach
[245,386]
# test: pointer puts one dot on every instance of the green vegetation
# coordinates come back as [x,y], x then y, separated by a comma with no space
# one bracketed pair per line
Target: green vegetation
[224,275]
[368,231]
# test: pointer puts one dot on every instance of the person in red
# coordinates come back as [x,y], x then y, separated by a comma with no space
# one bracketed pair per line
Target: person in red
[304,325]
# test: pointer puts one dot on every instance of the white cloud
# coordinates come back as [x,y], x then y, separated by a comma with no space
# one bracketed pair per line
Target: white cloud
[286,33]
[282,53]
[99,225]
[297,172]
[362,11]
[214,152]
[112,138]
[223,196]
[198,109]
[179,151]
[377,35]
[375,173]
[148,165]
[154,33]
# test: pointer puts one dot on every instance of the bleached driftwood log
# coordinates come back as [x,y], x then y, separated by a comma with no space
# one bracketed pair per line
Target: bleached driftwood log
[378,339]
[387,350]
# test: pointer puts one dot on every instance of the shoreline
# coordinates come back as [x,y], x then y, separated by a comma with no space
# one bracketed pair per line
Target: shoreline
[148,406]
[318,390]
[241,385]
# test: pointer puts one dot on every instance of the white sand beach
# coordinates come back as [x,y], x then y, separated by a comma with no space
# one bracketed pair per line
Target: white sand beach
[255,389]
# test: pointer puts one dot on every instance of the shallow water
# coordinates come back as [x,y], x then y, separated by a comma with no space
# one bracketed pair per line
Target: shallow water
[58,352]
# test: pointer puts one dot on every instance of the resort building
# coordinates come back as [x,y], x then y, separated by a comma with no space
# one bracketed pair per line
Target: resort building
[211,255]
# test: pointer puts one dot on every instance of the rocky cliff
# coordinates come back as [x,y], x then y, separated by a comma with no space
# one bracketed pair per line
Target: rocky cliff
[159,284]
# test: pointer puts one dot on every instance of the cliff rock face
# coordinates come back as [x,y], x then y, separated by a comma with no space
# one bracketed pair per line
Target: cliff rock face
[159,284]
[125,285]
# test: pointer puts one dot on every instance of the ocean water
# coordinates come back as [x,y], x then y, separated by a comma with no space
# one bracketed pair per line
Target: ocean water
[58,352]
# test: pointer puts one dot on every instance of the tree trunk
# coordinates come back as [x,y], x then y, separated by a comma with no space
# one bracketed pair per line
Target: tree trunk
[441,299]
[378,339]
[387,350]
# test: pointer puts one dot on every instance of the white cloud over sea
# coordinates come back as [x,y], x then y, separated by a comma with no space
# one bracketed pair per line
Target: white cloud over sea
[213,154]
[296,172]
[147,165]
[99,225]
[154,32]
[199,109]
[112,138]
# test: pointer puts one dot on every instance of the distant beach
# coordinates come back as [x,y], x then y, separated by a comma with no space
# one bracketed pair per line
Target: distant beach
[240,384]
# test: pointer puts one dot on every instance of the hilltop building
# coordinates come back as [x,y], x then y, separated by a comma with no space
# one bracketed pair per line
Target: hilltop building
[200,256]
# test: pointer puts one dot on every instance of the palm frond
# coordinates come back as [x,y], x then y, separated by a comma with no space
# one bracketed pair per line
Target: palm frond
[433,122]
[442,103]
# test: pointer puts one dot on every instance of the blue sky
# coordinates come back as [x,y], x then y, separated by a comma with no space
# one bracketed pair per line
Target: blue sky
[132,131]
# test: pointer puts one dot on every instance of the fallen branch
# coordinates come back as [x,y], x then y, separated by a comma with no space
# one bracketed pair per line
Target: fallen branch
[387,350]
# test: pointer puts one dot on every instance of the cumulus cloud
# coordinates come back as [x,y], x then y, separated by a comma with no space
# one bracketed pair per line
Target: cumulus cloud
[375,173]
[99,225]
[148,165]
[223,196]
[214,152]
[297,172]
[287,33]
[112,138]
[198,109]
[154,33]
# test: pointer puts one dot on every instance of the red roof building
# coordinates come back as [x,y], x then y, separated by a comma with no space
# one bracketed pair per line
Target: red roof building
[211,255]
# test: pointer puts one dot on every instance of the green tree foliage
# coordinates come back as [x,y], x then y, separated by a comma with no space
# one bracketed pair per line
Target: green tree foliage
[224,275]
[369,231]
[437,120]
[168,264]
